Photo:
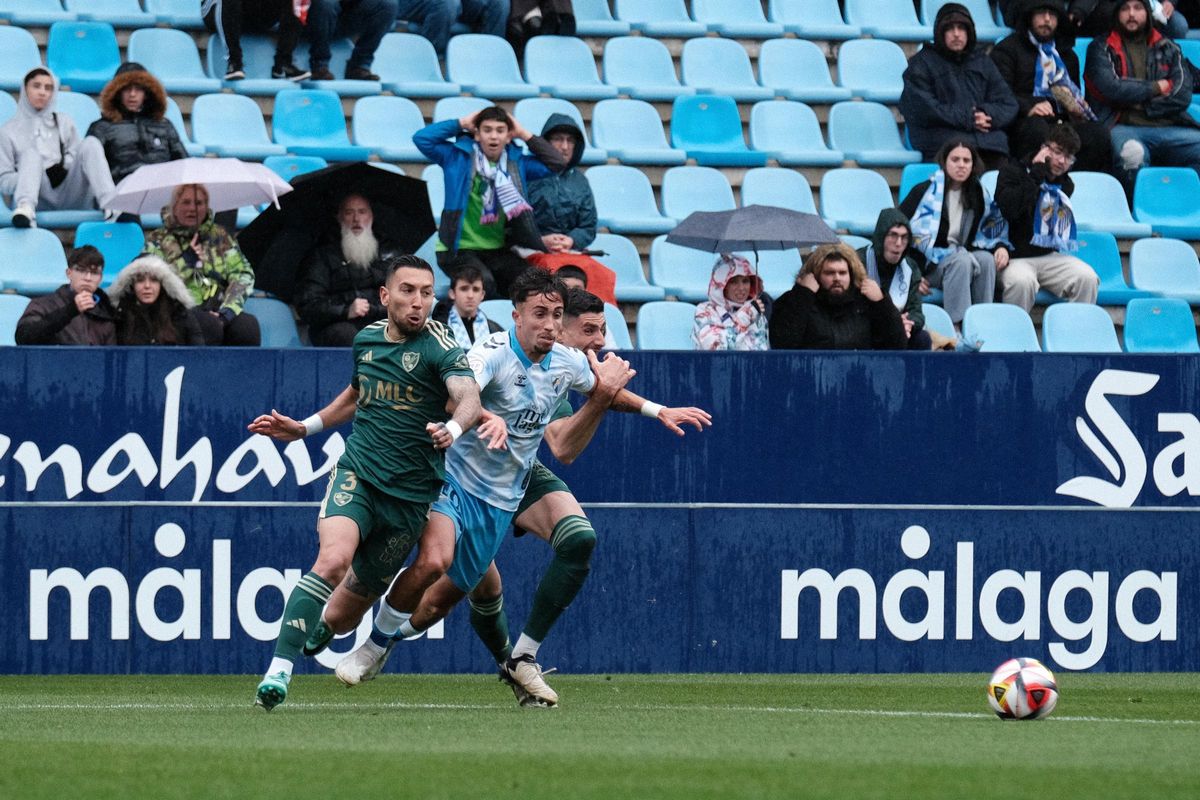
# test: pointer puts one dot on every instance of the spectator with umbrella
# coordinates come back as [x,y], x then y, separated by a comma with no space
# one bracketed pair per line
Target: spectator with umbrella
[735,315]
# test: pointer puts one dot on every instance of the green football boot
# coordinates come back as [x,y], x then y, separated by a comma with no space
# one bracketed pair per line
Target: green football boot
[272,691]
[318,640]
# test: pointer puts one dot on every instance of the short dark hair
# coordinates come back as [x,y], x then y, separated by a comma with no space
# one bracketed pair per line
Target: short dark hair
[86,256]
[467,274]
[581,301]
[33,73]
[493,112]
[953,142]
[572,271]
[535,281]
[1065,137]
[407,260]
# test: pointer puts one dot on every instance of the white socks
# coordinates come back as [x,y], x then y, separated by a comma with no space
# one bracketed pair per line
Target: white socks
[525,646]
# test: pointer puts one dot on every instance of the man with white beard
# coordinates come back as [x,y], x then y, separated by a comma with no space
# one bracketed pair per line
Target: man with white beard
[338,294]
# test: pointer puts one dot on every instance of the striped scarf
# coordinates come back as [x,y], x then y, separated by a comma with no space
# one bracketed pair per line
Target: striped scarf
[499,186]
[456,324]
[1054,220]
[1050,73]
[927,221]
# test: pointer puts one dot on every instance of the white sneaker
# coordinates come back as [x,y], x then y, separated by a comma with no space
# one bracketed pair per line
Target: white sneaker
[363,664]
[525,673]
[24,216]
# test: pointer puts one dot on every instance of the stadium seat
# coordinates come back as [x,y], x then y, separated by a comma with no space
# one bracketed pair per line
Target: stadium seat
[617,326]
[1166,266]
[534,111]
[386,124]
[486,65]
[12,306]
[855,242]
[782,188]
[736,19]
[84,55]
[688,189]
[1168,198]
[8,106]
[642,68]
[936,319]
[594,18]
[118,13]
[622,257]
[18,54]
[118,242]
[777,268]
[232,126]
[309,122]
[680,271]
[1078,328]
[408,66]
[81,108]
[176,13]
[33,263]
[288,167]
[435,184]
[33,13]
[258,55]
[175,116]
[659,18]
[852,199]
[276,321]
[625,200]
[721,66]
[499,311]
[1159,325]
[172,57]
[458,107]
[872,69]
[887,19]
[866,133]
[663,325]
[913,174]
[797,70]
[986,29]
[563,66]
[1000,328]
[812,19]
[1099,205]
[789,132]
[709,129]
[1099,250]
[631,131]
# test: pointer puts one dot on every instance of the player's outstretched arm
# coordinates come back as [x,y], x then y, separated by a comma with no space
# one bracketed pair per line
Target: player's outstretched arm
[673,418]
[285,429]
[464,397]
[568,437]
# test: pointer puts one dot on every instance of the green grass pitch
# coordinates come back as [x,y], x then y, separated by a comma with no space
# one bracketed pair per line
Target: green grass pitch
[614,737]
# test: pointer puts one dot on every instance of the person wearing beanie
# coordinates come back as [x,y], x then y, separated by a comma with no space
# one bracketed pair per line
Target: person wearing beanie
[133,128]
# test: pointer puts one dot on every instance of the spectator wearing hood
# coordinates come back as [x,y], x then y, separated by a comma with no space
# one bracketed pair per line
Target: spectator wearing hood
[563,204]
[1092,17]
[44,165]
[953,89]
[78,312]
[1039,64]
[735,316]
[132,127]
[889,262]
[154,306]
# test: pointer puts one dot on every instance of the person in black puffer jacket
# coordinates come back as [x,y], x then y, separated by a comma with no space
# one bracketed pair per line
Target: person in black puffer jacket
[132,126]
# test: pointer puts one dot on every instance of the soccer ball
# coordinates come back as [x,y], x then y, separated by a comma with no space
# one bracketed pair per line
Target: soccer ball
[1022,688]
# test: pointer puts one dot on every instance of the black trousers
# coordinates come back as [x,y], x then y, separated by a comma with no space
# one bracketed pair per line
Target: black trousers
[241,331]
[228,18]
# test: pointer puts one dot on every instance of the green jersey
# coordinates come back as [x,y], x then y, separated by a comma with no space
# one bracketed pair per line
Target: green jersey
[401,388]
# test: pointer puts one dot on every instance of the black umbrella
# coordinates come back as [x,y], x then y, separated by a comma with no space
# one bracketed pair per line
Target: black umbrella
[279,240]
[751,227]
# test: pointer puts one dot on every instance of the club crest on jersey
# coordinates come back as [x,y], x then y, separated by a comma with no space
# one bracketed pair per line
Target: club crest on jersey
[409,361]
[342,498]
[521,379]
[557,382]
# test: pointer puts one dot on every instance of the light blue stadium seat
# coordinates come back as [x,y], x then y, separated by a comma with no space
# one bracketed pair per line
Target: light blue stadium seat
[709,129]
[887,19]
[1166,266]
[1159,325]
[1078,328]
[172,57]
[777,268]
[1168,198]
[12,306]
[534,111]
[386,124]
[275,320]
[721,66]
[309,122]
[175,116]
[8,107]
[659,18]
[782,188]
[258,56]
[594,18]
[18,54]
[986,29]
[853,198]
[33,263]
[289,166]
[688,189]
[625,200]
[563,66]
[855,242]
[232,126]
[499,311]
[936,319]
[812,19]
[1000,328]
[486,65]
[408,66]
[1099,205]
[631,131]
[118,13]
[789,132]
[617,326]
[642,68]
[663,325]
[118,242]
[435,184]
[81,108]
[872,69]
[912,174]
[866,132]
[339,55]
[458,107]
[622,257]
[680,271]
[736,19]
[83,55]
[1099,250]
[176,13]
[797,70]
[34,13]
[988,181]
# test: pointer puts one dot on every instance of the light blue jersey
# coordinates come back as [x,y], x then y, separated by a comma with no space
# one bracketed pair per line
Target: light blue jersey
[526,396]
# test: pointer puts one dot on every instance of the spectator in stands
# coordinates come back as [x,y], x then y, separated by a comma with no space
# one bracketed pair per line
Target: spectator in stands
[43,162]
[1140,86]
[434,17]
[228,18]
[485,210]
[530,18]
[563,205]
[1034,196]
[1039,64]
[153,305]
[78,312]
[132,127]
[959,235]
[734,317]
[835,306]
[573,277]
[889,262]
[365,21]
[208,260]
[461,314]
[953,89]
[1094,17]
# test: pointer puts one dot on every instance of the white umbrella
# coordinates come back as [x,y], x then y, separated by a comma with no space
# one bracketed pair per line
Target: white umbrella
[231,183]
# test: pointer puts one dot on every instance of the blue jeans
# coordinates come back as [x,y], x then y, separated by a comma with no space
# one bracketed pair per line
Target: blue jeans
[1135,146]
[482,16]
[432,17]
[365,21]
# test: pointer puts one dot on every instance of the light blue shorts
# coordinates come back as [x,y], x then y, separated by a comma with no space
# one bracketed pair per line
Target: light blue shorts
[479,530]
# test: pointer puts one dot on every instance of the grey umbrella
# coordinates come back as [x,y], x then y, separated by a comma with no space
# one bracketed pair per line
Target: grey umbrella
[751,228]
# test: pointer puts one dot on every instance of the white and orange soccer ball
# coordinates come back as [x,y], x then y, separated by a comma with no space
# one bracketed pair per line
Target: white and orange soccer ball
[1022,688]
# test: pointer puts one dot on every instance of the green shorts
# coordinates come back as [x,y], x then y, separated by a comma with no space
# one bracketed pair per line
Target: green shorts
[541,483]
[388,527]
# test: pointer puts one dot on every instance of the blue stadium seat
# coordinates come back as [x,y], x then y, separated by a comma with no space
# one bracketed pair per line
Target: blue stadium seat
[172,57]
[258,55]
[988,180]
[593,18]
[887,19]
[797,70]
[866,132]
[777,268]
[232,126]
[783,188]
[276,321]
[936,319]
[625,200]
[339,55]
[663,325]
[18,54]
[118,242]
[680,271]
[812,19]
[986,29]
[912,174]
[12,306]
[1099,205]
[659,18]
[1078,328]
[499,311]
[721,66]
[563,66]
[408,66]
[386,124]
[534,111]
[1000,328]
[175,116]
[33,263]
[622,257]
[458,107]
[631,131]
[83,55]
[1166,266]
[1168,198]
[855,242]
[642,68]
[435,184]
[736,19]
[1099,250]
[8,107]
[872,69]
[709,129]
[288,167]
[617,326]
[1159,325]
[176,13]
[789,132]
[81,108]
[688,189]
[486,65]
[34,13]
[853,198]
[309,122]
[118,13]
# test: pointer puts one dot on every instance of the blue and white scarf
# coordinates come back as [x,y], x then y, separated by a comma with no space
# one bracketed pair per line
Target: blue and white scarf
[499,186]
[901,280]
[927,221]
[1050,71]
[479,326]
[1054,220]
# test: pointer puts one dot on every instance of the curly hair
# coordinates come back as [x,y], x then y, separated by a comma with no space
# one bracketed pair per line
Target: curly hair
[835,252]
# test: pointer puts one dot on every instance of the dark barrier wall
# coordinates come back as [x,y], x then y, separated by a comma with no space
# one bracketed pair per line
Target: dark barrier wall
[872,512]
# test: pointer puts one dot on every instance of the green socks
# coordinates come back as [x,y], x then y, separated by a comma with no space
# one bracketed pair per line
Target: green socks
[301,614]
[491,626]
[573,540]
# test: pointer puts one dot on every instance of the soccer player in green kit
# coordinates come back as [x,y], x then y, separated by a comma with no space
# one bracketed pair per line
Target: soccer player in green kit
[406,369]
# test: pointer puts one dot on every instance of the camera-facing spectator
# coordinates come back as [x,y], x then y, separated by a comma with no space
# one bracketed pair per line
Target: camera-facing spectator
[78,312]
[735,315]
[888,260]
[133,128]
[460,311]
[153,305]
[563,204]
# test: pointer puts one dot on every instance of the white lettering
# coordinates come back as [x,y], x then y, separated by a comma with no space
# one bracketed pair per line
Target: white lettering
[66,458]
[828,589]
[4,442]
[1029,624]
[1095,625]
[1184,450]
[247,597]
[297,453]
[222,558]
[1164,625]
[266,460]
[79,591]
[964,587]
[100,478]
[198,456]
